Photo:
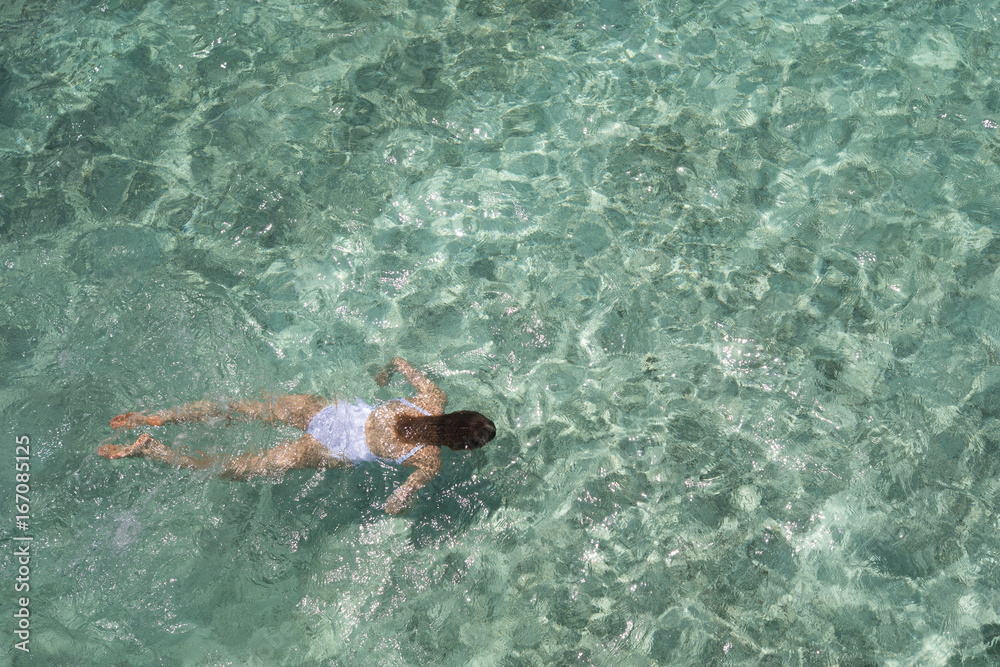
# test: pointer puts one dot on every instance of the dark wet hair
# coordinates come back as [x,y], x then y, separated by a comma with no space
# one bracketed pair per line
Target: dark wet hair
[464,429]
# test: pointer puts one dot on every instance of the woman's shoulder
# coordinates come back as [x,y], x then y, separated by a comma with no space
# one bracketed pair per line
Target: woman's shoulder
[414,405]
[425,457]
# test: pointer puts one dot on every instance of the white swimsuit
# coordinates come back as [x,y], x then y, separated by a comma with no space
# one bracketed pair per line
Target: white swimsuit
[341,428]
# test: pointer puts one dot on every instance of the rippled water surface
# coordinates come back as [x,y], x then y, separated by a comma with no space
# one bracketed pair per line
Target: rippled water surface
[724,275]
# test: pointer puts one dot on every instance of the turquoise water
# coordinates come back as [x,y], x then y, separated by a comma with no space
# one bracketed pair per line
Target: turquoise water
[724,276]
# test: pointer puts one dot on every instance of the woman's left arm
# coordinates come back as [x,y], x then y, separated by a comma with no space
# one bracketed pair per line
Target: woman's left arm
[430,397]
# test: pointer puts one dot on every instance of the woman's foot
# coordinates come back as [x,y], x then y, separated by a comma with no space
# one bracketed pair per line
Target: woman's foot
[134,419]
[138,448]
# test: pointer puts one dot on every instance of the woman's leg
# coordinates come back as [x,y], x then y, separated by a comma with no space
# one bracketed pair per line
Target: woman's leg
[199,411]
[294,410]
[306,452]
[147,445]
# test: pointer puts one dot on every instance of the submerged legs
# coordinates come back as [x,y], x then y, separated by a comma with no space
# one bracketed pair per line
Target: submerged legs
[306,452]
[292,410]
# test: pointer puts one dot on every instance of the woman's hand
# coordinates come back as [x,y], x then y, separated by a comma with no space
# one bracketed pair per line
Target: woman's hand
[384,373]
[399,502]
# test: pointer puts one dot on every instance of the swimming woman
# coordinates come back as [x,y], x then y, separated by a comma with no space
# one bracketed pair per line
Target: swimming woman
[337,434]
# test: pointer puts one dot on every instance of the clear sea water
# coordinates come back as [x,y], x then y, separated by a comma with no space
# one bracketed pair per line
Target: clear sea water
[725,275]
